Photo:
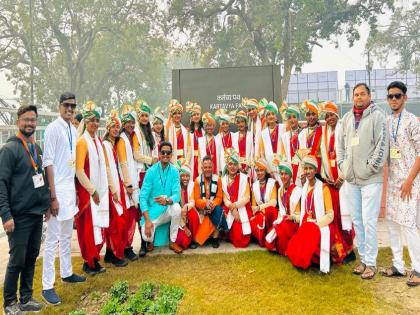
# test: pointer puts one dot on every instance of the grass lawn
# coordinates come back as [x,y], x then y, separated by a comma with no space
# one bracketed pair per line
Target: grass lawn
[251,282]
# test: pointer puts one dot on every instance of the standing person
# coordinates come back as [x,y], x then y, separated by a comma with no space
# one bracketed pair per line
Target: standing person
[159,199]
[310,137]
[263,202]
[177,134]
[92,190]
[208,197]
[255,124]
[242,142]
[196,131]
[146,143]
[115,234]
[290,139]
[158,133]
[403,187]
[362,149]
[312,242]
[24,199]
[236,200]
[129,174]
[224,136]
[59,163]
[209,144]
[343,250]
[270,144]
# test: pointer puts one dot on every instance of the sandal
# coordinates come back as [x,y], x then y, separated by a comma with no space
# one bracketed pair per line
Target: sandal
[359,269]
[369,273]
[392,272]
[413,281]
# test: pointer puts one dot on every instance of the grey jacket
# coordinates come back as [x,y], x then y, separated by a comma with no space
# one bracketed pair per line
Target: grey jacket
[362,164]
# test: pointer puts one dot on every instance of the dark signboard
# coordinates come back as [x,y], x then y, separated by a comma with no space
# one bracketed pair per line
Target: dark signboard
[215,88]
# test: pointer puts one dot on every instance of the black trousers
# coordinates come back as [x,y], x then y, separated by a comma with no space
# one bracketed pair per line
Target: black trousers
[24,244]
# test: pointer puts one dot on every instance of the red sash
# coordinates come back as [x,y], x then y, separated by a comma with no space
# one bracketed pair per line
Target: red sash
[227,141]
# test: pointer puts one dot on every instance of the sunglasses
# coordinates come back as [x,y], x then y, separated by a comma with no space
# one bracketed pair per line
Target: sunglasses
[67,105]
[396,96]
[164,152]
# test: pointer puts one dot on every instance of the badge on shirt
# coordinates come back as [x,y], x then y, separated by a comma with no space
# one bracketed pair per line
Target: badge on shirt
[395,153]
[71,164]
[355,141]
[38,180]
[332,163]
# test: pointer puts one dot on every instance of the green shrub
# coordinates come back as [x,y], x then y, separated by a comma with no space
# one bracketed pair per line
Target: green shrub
[119,291]
[112,307]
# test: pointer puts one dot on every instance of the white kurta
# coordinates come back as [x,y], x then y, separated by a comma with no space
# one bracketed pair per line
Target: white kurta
[60,152]
[408,143]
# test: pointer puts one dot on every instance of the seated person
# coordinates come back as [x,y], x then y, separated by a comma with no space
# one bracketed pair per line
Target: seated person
[236,199]
[159,199]
[287,223]
[208,196]
[264,202]
[312,242]
[190,220]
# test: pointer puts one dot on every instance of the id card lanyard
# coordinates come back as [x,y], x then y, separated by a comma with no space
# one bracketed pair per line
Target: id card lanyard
[33,152]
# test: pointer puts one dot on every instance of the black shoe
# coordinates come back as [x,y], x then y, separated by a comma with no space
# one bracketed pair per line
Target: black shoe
[109,256]
[12,309]
[51,297]
[31,306]
[74,279]
[193,245]
[143,249]
[99,268]
[89,270]
[120,262]
[349,258]
[130,255]
[215,242]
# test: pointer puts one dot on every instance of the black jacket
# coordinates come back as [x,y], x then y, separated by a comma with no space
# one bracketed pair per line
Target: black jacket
[18,196]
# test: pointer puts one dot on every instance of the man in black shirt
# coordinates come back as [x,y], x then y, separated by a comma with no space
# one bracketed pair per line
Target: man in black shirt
[24,199]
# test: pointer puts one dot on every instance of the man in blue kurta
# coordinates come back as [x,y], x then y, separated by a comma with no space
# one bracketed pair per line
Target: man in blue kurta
[159,199]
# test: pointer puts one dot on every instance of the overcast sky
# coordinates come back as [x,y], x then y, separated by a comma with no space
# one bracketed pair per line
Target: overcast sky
[327,58]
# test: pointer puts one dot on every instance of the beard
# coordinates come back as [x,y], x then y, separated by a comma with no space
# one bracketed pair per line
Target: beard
[27,134]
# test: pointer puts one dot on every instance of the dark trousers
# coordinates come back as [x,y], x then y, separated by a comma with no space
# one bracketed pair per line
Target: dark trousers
[24,244]
[218,219]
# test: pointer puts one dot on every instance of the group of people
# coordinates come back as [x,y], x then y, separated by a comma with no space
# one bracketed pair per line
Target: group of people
[301,191]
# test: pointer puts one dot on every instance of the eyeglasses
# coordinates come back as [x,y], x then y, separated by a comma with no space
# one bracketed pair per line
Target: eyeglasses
[67,105]
[397,96]
[164,152]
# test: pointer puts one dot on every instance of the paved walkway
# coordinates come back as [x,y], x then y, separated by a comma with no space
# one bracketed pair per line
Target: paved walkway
[224,247]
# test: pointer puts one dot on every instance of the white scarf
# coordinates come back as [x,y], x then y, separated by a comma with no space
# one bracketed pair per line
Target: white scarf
[346,222]
[191,152]
[318,197]
[173,140]
[243,215]
[97,175]
[256,189]
[266,137]
[143,148]
[248,148]
[114,174]
[134,174]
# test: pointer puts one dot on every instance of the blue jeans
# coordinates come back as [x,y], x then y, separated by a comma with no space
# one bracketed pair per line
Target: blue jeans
[218,219]
[365,204]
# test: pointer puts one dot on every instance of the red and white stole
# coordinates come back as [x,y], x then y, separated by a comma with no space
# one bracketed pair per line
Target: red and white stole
[98,177]
[266,138]
[172,138]
[202,146]
[318,198]
[132,169]
[243,181]
[256,189]
[114,173]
